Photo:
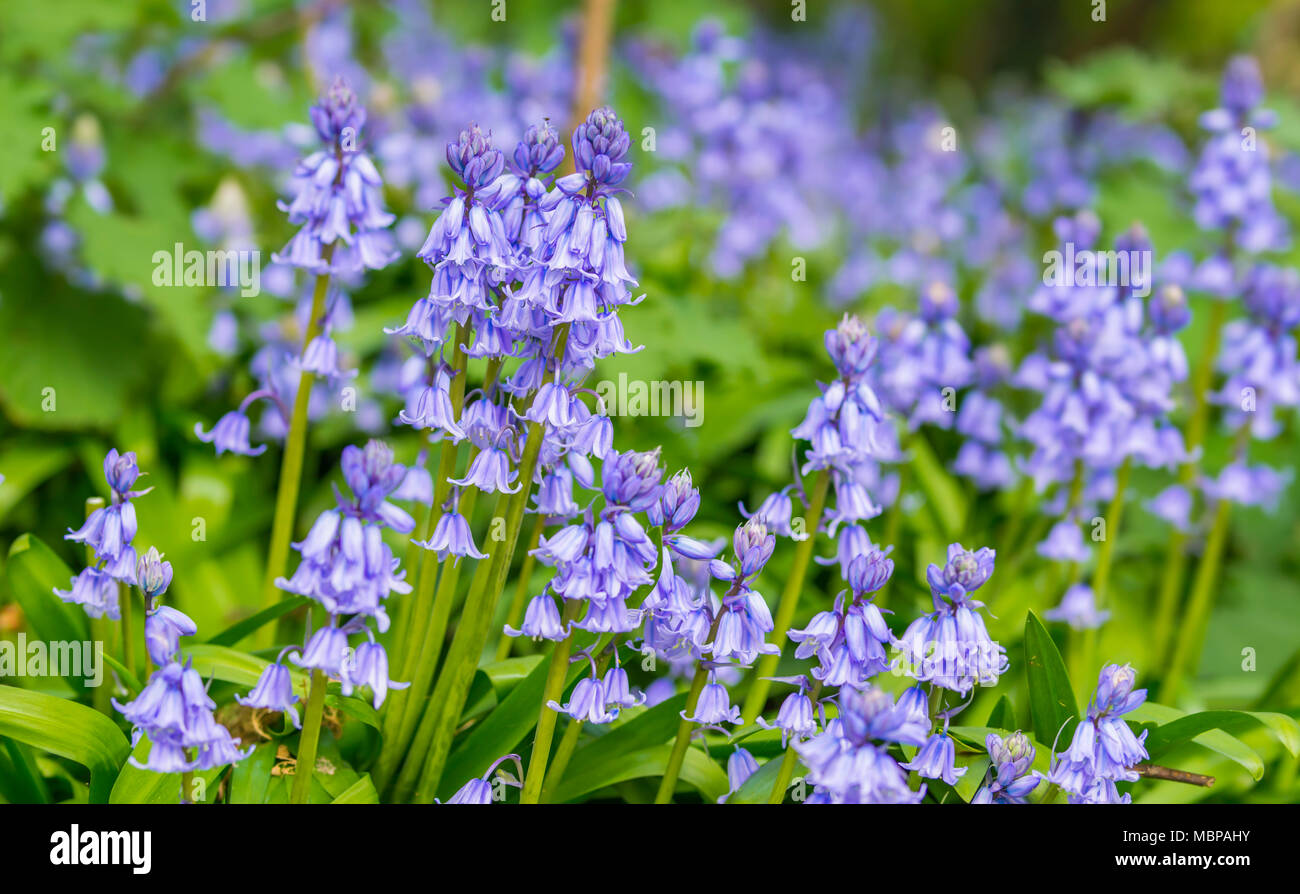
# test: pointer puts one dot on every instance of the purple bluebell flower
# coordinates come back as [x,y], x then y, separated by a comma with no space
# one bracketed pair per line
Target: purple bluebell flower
[849,762]
[541,620]
[230,434]
[937,760]
[110,529]
[714,706]
[337,195]
[480,791]
[175,713]
[795,717]
[1103,750]
[950,647]
[163,628]
[740,766]
[451,537]
[1078,608]
[274,692]
[95,590]
[367,667]
[1011,779]
[587,702]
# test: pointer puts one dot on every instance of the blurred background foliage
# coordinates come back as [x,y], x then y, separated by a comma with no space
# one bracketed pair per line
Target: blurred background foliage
[131,364]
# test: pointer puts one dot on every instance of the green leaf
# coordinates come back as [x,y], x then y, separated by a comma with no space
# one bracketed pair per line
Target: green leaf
[1212,730]
[698,770]
[237,631]
[252,776]
[1003,715]
[1052,707]
[20,781]
[67,729]
[360,792]
[501,730]
[654,726]
[34,571]
[757,789]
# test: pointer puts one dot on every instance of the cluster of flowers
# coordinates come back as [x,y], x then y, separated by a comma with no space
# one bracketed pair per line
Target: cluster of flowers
[107,533]
[350,571]
[1104,749]
[343,230]
[173,710]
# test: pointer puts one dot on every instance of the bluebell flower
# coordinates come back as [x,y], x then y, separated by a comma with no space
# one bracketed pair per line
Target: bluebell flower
[740,766]
[714,706]
[95,590]
[937,760]
[795,717]
[587,702]
[451,536]
[337,195]
[110,529]
[274,692]
[230,435]
[479,791]
[163,628]
[175,713]
[1103,750]
[1078,608]
[849,762]
[950,647]
[1064,543]
[1011,779]
[367,667]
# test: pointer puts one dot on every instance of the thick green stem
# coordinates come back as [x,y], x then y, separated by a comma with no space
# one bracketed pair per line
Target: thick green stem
[554,689]
[295,445]
[310,739]
[1171,583]
[1192,632]
[668,784]
[789,598]
[516,611]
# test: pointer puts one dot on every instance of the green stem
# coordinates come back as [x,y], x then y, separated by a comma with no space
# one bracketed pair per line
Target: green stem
[1171,583]
[414,705]
[789,598]
[516,611]
[295,445]
[101,629]
[476,617]
[1192,633]
[310,740]
[556,674]
[668,784]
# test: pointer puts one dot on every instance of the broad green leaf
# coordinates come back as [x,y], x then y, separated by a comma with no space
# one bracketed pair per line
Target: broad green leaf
[34,571]
[237,631]
[1209,729]
[360,792]
[970,781]
[251,777]
[27,463]
[757,789]
[233,666]
[698,771]
[1003,715]
[67,729]
[1052,707]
